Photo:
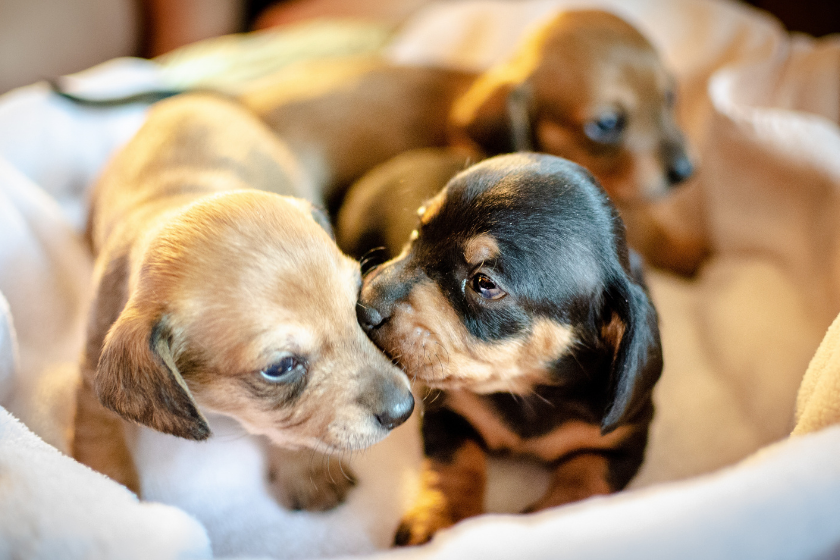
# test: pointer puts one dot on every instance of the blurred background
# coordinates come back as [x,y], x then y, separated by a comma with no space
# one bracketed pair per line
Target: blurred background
[48,38]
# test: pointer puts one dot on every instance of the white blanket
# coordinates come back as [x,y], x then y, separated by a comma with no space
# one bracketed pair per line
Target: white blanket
[761,110]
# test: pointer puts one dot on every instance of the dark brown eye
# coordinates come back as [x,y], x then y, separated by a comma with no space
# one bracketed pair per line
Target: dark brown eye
[284,370]
[484,286]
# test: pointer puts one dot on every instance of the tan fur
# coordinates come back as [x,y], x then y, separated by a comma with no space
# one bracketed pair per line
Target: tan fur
[431,343]
[205,281]
[571,436]
[308,480]
[578,478]
[573,66]
[341,118]
[449,492]
[480,248]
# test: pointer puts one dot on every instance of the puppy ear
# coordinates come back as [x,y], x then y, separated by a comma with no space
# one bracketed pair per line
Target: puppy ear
[495,115]
[137,378]
[633,330]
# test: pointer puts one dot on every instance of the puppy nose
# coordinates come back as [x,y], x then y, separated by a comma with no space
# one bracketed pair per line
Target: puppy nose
[369,317]
[396,411]
[679,169]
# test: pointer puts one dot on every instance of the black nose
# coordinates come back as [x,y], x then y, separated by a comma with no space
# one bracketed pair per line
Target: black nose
[369,317]
[396,412]
[679,169]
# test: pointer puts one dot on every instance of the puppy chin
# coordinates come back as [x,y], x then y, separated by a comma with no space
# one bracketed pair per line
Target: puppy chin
[342,440]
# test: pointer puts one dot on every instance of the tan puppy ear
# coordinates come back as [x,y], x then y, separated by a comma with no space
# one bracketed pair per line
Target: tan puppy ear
[495,116]
[137,378]
[633,330]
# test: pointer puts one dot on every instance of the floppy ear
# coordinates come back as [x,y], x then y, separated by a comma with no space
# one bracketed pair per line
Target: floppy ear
[495,115]
[637,365]
[137,378]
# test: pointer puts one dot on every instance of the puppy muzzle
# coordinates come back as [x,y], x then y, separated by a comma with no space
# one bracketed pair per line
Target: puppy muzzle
[388,397]
[383,289]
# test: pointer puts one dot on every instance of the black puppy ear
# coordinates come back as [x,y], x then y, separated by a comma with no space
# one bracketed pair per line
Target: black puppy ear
[633,330]
[137,378]
[495,116]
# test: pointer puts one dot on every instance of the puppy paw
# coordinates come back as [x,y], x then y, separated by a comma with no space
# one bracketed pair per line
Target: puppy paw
[420,524]
[306,480]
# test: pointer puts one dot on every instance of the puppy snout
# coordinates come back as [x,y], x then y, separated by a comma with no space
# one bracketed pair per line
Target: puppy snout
[388,398]
[395,411]
[679,169]
[369,317]
[678,166]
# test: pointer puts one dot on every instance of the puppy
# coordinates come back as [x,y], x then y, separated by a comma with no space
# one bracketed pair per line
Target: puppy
[517,303]
[217,292]
[585,85]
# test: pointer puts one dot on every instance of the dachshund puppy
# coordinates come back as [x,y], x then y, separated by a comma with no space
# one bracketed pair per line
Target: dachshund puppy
[217,293]
[518,304]
[585,85]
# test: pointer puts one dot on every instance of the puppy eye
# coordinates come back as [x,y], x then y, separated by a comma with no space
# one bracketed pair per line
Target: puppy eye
[606,128]
[282,370]
[484,286]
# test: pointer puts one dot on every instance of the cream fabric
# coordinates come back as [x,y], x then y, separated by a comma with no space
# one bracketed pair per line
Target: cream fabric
[761,110]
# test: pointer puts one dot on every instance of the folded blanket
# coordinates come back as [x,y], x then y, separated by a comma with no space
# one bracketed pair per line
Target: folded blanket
[779,505]
[52,507]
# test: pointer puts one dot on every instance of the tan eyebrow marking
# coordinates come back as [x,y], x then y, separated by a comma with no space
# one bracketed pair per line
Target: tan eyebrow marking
[480,248]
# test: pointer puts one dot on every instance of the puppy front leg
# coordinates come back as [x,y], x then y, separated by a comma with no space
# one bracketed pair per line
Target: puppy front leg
[307,480]
[99,438]
[453,479]
[574,479]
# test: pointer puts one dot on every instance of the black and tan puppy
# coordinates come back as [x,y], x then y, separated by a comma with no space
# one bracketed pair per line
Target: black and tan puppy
[517,300]
[218,291]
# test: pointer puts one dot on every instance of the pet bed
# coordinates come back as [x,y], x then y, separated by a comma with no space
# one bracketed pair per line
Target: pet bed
[723,477]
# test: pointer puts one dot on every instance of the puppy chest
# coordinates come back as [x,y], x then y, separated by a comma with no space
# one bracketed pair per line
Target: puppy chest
[531,432]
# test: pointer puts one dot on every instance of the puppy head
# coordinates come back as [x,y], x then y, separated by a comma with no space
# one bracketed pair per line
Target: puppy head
[519,275]
[244,306]
[589,87]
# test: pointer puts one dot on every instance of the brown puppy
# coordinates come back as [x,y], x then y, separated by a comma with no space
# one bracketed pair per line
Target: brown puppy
[586,86]
[215,294]
[516,301]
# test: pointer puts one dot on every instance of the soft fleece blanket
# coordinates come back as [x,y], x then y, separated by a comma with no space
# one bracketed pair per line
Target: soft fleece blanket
[761,109]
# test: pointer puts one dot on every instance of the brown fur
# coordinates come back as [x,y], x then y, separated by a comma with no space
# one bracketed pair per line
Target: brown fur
[433,345]
[580,477]
[449,492]
[204,282]
[343,118]
[518,303]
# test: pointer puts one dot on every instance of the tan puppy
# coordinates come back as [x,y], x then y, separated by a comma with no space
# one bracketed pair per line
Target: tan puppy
[586,86]
[215,297]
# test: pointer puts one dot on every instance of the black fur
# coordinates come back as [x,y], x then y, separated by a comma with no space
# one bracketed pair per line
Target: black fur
[563,257]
